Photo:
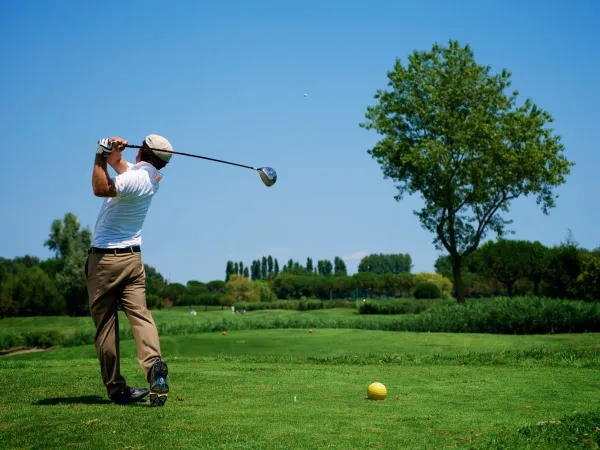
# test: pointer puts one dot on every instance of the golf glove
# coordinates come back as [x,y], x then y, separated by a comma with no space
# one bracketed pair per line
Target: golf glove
[104,147]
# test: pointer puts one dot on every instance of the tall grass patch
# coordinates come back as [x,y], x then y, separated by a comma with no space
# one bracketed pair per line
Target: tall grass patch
[522,315]
[294,305]
[404,306]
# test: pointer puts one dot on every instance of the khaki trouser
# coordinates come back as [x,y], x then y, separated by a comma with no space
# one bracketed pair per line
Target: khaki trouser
[114,279]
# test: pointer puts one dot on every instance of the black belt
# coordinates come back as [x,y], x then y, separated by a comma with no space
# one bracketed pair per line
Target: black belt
[115,251]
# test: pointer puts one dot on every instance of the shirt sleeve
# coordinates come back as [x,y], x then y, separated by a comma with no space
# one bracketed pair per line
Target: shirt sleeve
[128,184]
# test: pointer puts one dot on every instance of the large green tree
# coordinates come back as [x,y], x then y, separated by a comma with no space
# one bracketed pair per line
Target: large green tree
[255,270]
[339,266]
[325,267]
[270,266]
[229,270]
[536,263]
[155,282]
[386,263]
[564,266]
[29,291]
[70,243]
[309,264]
[452,133]
[505,260]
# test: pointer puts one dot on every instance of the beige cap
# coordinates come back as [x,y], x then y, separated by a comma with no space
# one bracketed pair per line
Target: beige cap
[155,141]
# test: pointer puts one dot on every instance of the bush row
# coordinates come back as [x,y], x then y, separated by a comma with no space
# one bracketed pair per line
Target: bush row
[361,285]
[519,315]
[294,305]
[404,306]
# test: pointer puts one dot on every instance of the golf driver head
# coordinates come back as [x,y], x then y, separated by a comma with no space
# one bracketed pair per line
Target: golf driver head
[267,175]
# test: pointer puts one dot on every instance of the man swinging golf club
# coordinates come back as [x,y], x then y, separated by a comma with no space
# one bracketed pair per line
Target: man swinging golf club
[114,268]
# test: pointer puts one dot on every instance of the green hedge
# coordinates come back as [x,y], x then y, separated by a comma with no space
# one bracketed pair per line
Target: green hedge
[519,315]
[294,305]
[522,315]
[408,306]
[428,290]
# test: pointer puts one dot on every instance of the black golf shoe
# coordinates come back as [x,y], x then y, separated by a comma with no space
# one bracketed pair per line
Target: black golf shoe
[159,386]
[129,395]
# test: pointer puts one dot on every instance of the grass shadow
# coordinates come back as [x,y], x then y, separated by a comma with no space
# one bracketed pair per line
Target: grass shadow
[82,400]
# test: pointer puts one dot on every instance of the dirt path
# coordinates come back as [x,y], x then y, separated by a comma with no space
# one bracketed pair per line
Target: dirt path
[21,350]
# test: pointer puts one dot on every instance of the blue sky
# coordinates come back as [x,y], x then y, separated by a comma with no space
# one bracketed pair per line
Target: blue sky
[227,79]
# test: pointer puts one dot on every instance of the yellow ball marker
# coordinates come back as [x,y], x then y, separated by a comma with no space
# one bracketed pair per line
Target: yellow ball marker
[376,391]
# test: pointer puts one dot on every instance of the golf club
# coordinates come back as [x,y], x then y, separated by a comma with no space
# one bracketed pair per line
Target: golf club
[267,174]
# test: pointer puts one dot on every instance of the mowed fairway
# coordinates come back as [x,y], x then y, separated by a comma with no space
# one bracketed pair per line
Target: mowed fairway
[238,391]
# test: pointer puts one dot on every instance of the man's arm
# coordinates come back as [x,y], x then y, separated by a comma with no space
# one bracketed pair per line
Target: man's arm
[102,184]
[116,161]
[107,150]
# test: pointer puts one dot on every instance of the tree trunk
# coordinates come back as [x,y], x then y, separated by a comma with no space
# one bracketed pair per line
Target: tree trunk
[509,288]
[458,286]
[536,287]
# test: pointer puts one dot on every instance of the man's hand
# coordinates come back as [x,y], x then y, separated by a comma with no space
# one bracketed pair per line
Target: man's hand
[107,149]
[107,146]
[118,144]
[104,147]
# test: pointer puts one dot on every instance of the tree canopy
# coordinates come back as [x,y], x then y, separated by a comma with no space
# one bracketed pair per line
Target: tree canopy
[386,263]
[452,133]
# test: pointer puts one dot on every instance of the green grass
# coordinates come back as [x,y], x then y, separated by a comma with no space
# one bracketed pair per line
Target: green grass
[237,391]
[69,331]
[331,343]
[172,316]
[579,430]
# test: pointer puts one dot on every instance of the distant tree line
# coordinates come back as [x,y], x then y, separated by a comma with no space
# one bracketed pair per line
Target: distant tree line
[30,286]
[267,268]
[379,275]
[520,267]
[57,285]
[361,285]
[383,263]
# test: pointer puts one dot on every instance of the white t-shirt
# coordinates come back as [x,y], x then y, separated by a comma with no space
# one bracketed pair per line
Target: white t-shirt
[121,218]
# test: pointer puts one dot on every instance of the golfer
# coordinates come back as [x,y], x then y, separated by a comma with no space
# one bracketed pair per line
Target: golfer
[114,268]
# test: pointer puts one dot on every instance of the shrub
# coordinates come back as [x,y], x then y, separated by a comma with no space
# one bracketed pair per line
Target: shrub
[328,304]
[428,290]
[516,315]
[187,300]
[444,284]
[265,294]
[282,304]
[589,279]
[405,306]
[565,264]
[153,301]
[43,339]
[240,289]
[10,340]
[209,299]
[310,305]
[523,287]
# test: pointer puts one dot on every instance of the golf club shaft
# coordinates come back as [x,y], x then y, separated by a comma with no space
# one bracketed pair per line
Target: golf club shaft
[194,156]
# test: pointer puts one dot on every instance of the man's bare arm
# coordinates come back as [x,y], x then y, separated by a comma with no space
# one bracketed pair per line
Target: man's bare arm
[102,184]
[116,161]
